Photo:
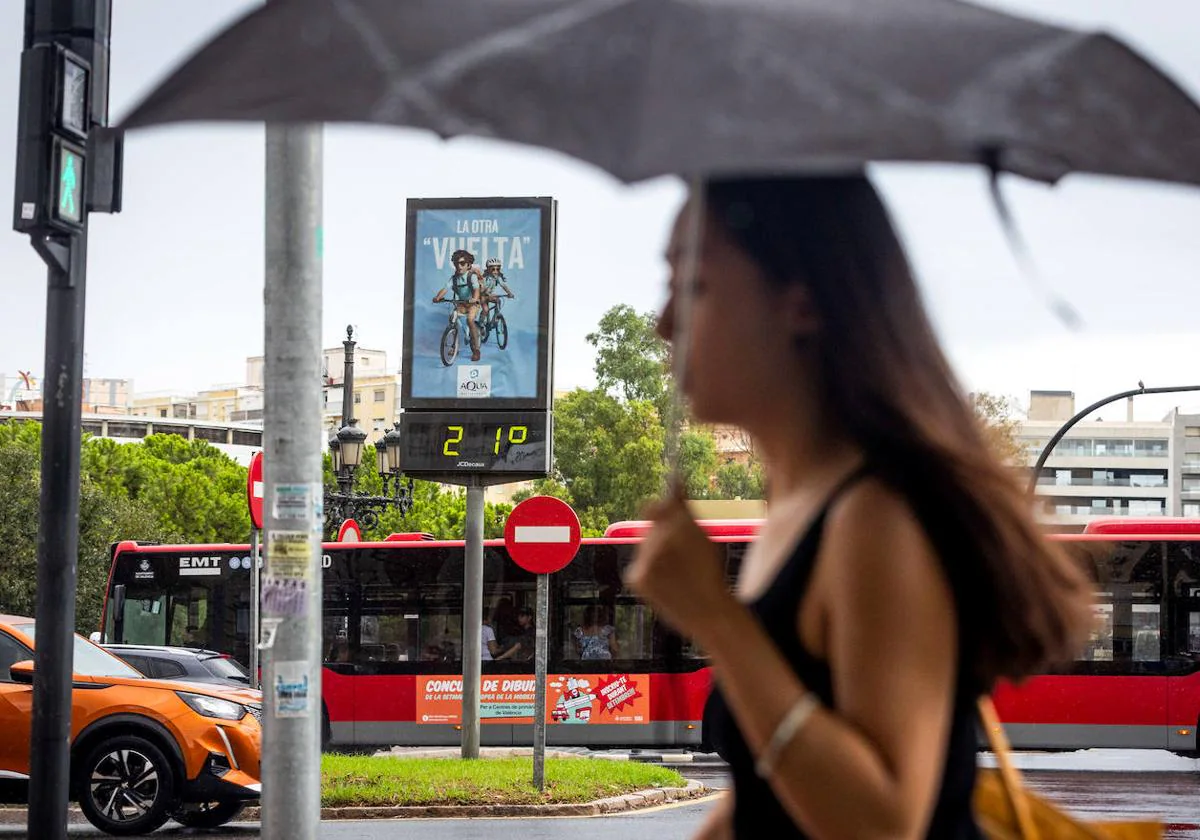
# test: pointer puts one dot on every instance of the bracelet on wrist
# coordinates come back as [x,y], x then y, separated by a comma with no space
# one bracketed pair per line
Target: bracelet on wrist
[791,724]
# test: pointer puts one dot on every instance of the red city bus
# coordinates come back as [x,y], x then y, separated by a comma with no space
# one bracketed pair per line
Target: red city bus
[393,628]
[1137,682]
[392,637]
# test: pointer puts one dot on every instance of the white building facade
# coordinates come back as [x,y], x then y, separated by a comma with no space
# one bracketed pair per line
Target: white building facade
[1105,467]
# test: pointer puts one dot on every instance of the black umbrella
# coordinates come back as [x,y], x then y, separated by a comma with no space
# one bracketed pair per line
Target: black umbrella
[648,87]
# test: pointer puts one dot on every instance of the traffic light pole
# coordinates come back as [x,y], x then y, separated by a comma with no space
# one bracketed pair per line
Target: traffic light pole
[62,122]
[292,461]
[58,536]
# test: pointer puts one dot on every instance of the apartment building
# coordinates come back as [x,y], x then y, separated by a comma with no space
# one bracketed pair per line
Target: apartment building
[23,392]
[1111,465]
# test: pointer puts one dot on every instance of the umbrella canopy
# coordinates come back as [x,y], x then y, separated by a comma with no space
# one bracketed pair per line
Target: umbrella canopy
[643,88]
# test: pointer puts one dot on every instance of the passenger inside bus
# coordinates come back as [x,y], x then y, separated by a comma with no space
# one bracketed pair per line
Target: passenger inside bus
[596,637]
[521,646]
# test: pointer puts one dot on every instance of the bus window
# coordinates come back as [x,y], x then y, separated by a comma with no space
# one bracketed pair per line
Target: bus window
[440,637]
[406,606]
[1183,607]
[1147,640]
[189,618]
[145,618]
[1099,646]
[1130,578]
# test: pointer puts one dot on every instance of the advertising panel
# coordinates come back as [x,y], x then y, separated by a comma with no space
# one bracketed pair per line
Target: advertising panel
[478,304]
[571,699]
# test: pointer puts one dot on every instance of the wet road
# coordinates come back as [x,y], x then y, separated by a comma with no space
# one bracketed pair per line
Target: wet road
[1171,796]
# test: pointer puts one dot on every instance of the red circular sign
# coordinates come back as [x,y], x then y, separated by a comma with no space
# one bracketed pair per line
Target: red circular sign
[542,534]
[349,532]
[254,490]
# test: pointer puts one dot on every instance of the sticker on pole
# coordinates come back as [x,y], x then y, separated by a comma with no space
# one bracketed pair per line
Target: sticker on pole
[542,534]
[292,695]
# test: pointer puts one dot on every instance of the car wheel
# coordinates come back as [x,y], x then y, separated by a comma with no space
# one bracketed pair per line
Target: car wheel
[208,814]
[126,786]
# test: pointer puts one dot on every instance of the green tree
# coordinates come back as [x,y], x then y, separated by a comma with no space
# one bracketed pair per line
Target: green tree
[19,487]
[194,489]
[106,515]
[442,512]
[608,454]
[736,480]
[592,523]
[1001,418]
[697,462]
[631,359]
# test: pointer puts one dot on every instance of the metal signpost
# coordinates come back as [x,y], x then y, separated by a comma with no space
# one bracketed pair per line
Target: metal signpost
[254,499]
[293,510]
[68,165]
[477,369]
[542,536]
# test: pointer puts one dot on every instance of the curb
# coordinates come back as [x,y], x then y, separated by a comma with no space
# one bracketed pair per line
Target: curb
[600,807]
[698,759]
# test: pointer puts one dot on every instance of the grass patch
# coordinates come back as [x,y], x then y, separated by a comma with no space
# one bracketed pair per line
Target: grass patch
[366,780]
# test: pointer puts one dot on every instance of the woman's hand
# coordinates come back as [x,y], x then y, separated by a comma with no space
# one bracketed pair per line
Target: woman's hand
[678,570]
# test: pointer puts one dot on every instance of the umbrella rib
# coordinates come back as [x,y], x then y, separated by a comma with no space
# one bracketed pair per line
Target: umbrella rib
[384,58]
[415,89]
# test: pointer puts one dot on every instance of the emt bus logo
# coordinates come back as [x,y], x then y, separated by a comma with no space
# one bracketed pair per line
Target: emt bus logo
[194,566]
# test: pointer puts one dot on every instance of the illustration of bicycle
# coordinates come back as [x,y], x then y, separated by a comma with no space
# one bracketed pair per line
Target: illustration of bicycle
[493,322]
[456,333]
[458,330]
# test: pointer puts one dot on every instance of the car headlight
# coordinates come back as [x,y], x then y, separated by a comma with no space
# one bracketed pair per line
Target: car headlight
[213,707]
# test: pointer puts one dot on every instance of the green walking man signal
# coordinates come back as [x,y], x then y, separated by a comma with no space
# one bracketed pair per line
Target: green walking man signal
[70,185]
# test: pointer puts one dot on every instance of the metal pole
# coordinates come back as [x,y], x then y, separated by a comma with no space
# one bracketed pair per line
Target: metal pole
[345,474]
[348,376]
[255,632]
[539,685]
[293,516]
[1066,427]
[58,535]
[472,620]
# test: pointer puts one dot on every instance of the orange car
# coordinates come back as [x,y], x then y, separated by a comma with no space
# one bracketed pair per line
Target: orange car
[142,751]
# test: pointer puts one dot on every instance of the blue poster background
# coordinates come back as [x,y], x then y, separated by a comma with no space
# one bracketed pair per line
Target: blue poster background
[513,236]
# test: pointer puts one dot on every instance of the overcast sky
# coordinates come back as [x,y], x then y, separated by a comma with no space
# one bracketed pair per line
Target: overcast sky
[175,281]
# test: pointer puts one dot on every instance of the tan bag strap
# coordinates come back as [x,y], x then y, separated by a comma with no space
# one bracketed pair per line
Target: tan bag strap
[1009,776]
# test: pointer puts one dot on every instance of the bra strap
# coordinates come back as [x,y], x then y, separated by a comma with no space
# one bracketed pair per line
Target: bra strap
[857,474]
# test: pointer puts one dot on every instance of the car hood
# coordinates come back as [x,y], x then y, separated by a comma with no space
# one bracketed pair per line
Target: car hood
[237,695]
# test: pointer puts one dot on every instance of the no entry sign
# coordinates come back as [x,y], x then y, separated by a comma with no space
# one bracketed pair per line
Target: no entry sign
[254,490]
[542,534]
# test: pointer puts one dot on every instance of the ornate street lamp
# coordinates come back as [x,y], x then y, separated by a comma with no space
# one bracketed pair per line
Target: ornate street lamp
[346,447]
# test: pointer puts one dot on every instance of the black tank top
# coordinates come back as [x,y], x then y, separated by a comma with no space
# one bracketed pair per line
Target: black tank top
[757,813]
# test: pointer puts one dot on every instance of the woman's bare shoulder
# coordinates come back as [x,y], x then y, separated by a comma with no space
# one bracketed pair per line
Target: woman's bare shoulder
[873,530]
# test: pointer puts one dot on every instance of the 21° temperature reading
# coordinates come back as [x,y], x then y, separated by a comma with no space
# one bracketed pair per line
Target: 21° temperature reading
[511,435]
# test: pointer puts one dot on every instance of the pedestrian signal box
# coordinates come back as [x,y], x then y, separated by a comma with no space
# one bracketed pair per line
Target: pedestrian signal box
[52,134]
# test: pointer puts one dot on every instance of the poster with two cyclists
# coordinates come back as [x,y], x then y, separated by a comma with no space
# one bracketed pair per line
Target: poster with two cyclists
[477,300]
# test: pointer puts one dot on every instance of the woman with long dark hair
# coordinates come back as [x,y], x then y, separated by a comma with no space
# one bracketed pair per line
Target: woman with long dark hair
[899,573]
